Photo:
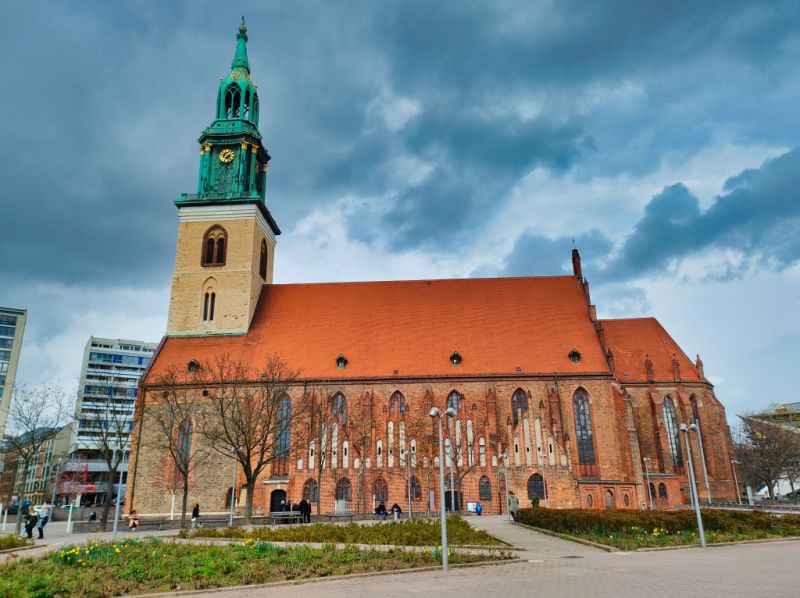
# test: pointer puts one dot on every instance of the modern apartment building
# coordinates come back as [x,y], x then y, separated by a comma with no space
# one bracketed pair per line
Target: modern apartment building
[12,327]
[109,381]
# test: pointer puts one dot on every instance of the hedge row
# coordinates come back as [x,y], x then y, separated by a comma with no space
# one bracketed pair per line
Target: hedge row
[580,521]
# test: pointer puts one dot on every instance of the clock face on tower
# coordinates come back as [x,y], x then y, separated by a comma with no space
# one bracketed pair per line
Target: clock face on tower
[226,156]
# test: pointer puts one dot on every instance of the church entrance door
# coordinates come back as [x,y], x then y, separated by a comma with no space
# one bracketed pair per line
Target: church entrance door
[275,499]
[450,500]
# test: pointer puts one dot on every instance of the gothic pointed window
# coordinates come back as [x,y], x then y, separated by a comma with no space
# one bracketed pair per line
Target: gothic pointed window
[454,401]
[246,107]
[283,437]
[536,486]
[416,489]
[209,301]
[519,403]
[232,101]
[214,246]
[397,404]
[339,407]
[344,490]
[380,490]
[485,488]
[310,490]
[671,425]
[583,434]
[262,264]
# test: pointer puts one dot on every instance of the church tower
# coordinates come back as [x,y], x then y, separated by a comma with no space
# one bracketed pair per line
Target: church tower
[226,235]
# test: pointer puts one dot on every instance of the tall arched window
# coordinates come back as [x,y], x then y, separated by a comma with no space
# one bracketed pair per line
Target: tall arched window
[209,303]
[339,407]
[454,400]
[344,490]
[536,487]
[283,437]
[416,489]
[380,489]
[671,425]
[662,491]
[519,403]
[232,101]
[583,434]
[485,488]
[310,490]
[482,451]
[214,246]
[397,404]
[262,264]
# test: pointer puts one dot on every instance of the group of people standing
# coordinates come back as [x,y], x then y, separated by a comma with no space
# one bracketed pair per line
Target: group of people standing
[35,520]
[303,507]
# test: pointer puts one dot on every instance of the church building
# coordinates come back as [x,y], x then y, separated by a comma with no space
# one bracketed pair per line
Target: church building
[551,403]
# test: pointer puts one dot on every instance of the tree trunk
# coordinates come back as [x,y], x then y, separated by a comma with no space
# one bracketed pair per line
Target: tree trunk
[109,497]
[185,499]
[248,506]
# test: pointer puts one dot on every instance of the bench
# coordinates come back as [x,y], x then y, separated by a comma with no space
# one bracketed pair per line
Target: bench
[286,517]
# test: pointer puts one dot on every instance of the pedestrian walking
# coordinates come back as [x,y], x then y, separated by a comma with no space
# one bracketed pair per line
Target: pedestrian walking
[513,505]
[31,522]
[133,520]
[196,516]
[305,509]
[479,509]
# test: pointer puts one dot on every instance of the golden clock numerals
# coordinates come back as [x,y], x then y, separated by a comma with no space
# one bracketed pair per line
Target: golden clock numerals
[226,156]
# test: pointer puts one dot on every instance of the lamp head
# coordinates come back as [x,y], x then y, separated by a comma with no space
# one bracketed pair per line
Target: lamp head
[693,427]
[434,412]
[683,427]
[450,412]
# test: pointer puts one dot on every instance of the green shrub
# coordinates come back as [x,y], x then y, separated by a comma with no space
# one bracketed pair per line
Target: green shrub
[624,527]
[12,541]
[417,532]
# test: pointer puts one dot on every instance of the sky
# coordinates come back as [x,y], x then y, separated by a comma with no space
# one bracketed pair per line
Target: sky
[419,140]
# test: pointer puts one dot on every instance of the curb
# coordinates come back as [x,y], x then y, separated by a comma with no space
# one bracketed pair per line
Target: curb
[569,538]
[27,547]
[293,582]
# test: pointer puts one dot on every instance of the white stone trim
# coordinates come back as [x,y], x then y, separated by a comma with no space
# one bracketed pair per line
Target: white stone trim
[228,212]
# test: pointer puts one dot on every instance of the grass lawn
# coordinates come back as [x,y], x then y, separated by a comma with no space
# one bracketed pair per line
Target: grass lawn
[417,532]
[630,530]
[153,565]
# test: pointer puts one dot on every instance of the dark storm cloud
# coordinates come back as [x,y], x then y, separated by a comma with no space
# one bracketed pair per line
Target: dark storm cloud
[758,215]
[103,103]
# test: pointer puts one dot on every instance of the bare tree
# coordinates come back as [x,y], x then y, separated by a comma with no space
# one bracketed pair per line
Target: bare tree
[171,413]
[462,457]
[34,415]
[109,421]
[360,432]
[250,415]
[322,420]
[767,450]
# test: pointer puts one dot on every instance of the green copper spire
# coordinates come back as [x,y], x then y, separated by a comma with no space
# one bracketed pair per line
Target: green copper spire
[233,159]
[240,56]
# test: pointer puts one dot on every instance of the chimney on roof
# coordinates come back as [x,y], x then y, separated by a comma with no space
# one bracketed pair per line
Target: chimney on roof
[699,365]
[576,263]
[676,368]
[648,367]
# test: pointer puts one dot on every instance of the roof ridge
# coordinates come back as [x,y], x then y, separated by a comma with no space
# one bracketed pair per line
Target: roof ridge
[410,280]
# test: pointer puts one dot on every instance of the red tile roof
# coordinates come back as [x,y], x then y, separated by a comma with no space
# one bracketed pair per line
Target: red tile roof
[630,339]
[496,324]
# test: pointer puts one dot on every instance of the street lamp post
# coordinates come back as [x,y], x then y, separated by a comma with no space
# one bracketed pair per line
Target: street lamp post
[119,497]
[504,458]
[233,488]
[693,484]
[734,462]
[409,455]
[451,456]
[703,460]
[647,477]
[442,517]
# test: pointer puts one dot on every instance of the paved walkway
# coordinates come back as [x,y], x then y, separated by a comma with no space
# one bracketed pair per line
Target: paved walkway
[560,568]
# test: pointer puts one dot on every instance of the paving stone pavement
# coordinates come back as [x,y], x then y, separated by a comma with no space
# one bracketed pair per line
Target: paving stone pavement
[765,569]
